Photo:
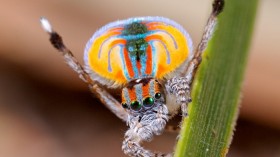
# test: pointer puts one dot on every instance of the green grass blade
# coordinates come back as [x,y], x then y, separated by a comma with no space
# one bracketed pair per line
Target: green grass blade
[208,130]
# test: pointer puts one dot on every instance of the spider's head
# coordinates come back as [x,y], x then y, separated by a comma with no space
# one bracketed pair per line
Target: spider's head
[144,101]
[142,95]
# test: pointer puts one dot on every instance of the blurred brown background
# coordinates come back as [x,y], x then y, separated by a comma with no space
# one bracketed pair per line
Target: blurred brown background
[46,111]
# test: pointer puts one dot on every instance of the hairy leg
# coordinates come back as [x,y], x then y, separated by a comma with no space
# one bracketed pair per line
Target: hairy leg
[107,99]
[142,129]
[181,86]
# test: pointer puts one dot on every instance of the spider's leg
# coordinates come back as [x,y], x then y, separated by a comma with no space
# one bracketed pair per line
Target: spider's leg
[142,129]
[181,86]
[108,100]
[209,29]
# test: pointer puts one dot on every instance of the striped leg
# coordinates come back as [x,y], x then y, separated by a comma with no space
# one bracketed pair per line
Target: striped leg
[107,99]
[181,86]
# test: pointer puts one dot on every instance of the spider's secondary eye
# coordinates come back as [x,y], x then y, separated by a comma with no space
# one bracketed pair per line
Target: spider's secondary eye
[124,105]
[135,105]
[157,95]
[148,102]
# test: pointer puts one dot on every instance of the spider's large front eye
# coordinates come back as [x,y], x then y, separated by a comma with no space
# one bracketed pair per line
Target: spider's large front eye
[148,102]
[135,105]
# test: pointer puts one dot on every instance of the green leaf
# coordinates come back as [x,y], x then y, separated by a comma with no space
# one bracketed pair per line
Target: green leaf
[208,130]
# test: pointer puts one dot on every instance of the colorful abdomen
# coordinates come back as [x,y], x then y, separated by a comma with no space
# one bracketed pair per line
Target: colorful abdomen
[137,48]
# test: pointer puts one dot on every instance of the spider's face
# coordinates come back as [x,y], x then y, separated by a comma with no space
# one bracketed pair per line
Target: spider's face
[147,112]
[142,96]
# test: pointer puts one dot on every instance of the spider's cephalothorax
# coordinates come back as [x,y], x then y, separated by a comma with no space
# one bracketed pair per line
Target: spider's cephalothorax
[152,60]
[144,101]
[141,95]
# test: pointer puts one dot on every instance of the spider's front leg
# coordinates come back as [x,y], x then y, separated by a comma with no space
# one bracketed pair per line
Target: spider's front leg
[181,86]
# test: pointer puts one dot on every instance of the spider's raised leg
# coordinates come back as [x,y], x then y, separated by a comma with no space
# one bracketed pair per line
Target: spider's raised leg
[207,34]
[181,86]
[107,99]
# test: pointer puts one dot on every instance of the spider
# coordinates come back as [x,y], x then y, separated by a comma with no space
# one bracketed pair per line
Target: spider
[151,60]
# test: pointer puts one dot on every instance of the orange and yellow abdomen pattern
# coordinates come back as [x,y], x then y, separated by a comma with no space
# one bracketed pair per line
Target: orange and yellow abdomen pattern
[136,48]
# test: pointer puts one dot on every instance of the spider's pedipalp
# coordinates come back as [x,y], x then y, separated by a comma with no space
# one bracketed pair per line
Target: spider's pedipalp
[131,146]
[147,117]
[142,129]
